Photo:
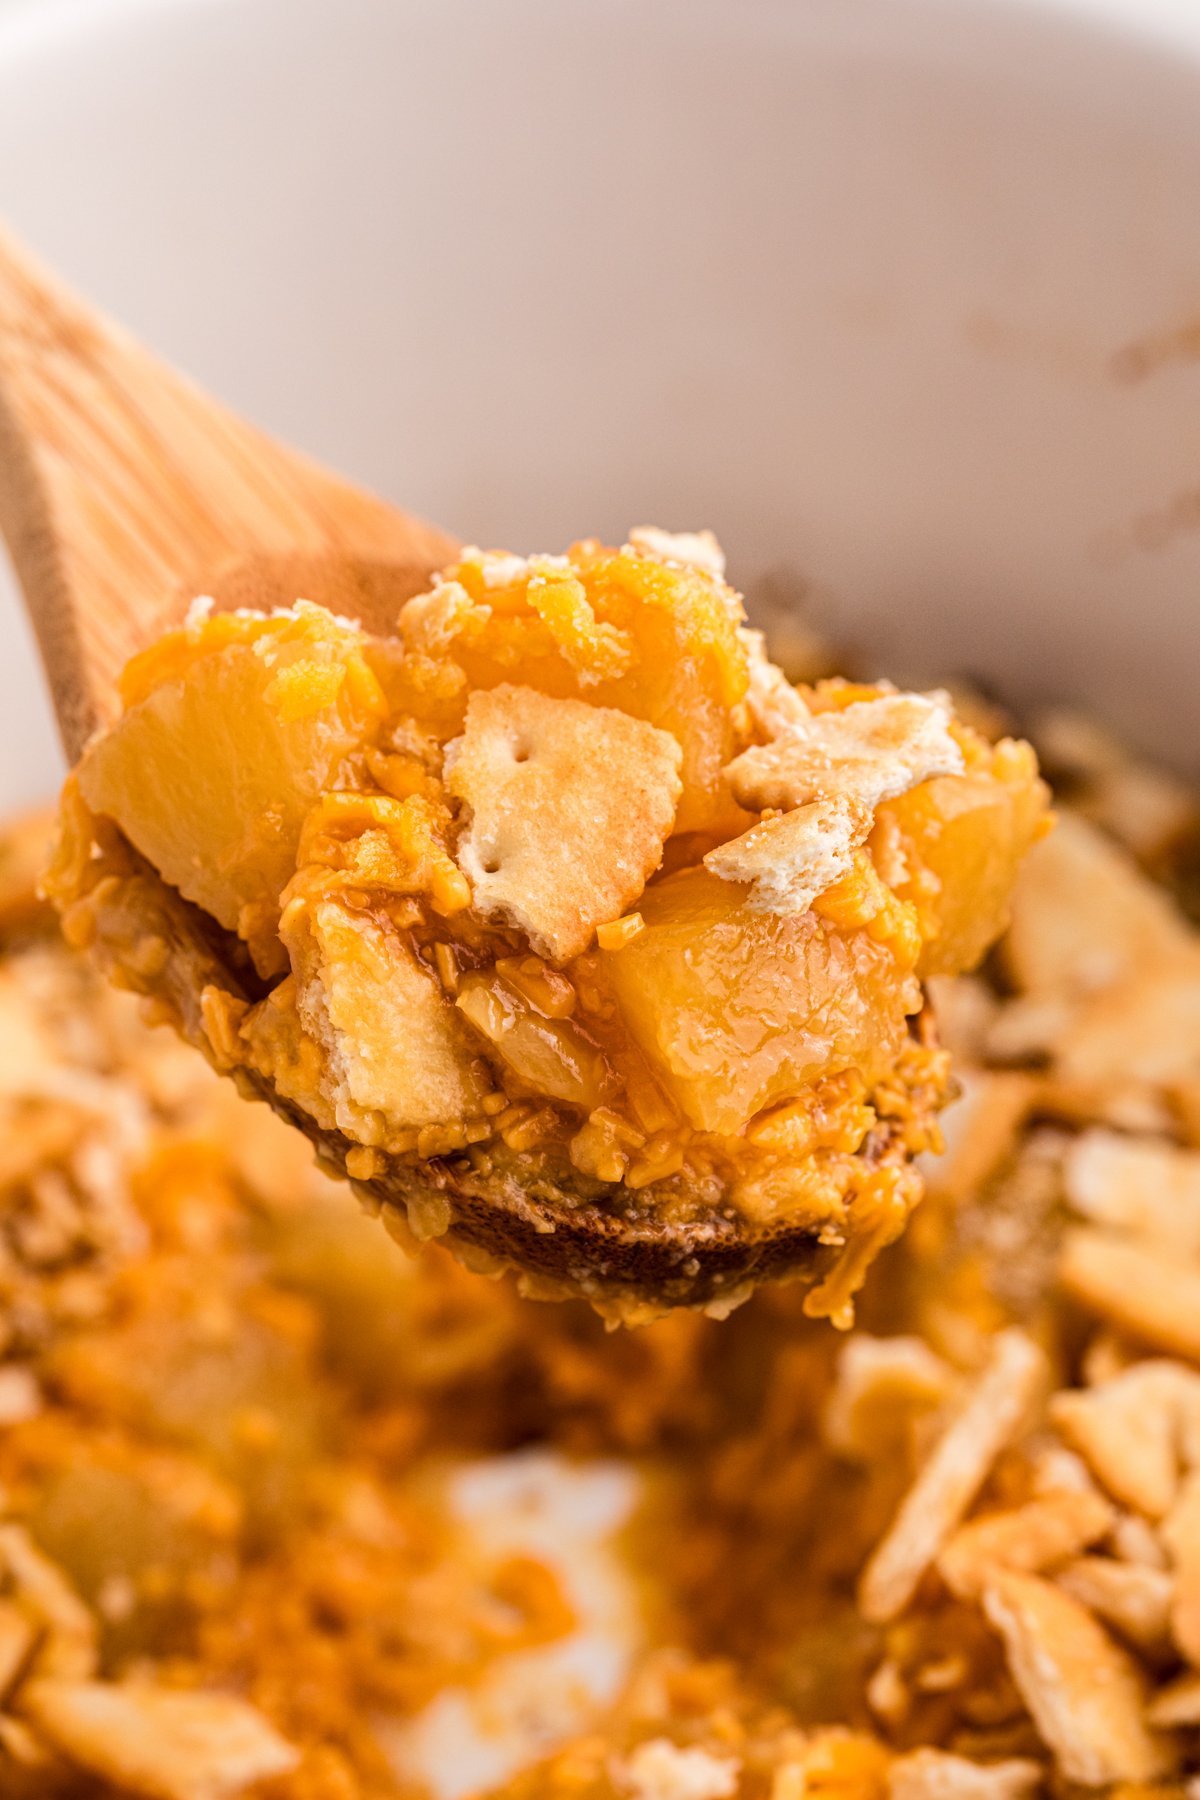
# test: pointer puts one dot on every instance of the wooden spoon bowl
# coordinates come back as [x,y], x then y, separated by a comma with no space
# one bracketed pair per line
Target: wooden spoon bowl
[125,492]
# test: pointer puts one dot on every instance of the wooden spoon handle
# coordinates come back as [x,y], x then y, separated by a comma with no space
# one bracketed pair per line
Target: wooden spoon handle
[125,491]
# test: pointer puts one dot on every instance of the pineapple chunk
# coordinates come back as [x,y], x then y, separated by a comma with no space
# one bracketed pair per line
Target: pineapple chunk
[397,1052]
[970,833]
[737,1009]
[209,772]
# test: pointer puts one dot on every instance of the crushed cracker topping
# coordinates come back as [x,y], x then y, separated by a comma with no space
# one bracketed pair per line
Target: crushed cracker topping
[1085,1693]
[233,1419]
[990,1416]
[166,1746]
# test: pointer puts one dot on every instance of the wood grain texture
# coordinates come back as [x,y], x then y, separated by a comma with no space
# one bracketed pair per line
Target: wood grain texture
[125,491]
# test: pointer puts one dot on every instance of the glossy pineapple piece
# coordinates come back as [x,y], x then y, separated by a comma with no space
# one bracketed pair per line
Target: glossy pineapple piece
[736,1009]
[966,837]
[231,731]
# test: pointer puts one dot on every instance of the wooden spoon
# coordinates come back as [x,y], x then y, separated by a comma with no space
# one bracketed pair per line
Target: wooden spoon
[124,492]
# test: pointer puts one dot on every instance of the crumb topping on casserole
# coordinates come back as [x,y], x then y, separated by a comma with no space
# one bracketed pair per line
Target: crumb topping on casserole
[287,1515]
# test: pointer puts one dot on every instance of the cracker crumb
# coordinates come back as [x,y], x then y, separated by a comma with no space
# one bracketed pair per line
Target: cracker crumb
[616,932]
[929,1774]
[693,549]
[661,1770]
[18,1634]
[433,623]
[68,1631]
[772,703]
[20,1395]
[1084,1692]
[497,568]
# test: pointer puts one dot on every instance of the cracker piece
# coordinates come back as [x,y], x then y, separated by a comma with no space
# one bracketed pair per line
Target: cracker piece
[982,1130]
[661,1770]
[1176,1704]
[1181,1535]
[1128,1184]
[790,860]
[433,623]
[692,549]
[928,1774]
[1028,1027]
[68,1643]
[570,805]
[1140,1289]
[1105,1356]
[1134,1599]
[1135,1540]
[162,1744]
[1074,745]
[1144,807]
[20,1395]
[1033,1537]
[772,703]
[1149,810]
[1053,1469]
[965,1008]
[993,1412]
[883,1385]
[395,1044]
[17,1637]
[497,568]
[1186,1389]
[1084,915]
[1119,1104]
[23,1753]
[1144,1030]
[888,1694]
[1127,1430]
[869,752]
[1084,1692]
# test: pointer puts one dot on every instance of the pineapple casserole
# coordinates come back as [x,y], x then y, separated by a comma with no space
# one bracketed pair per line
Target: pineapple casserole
[563,923]
[288,1515]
